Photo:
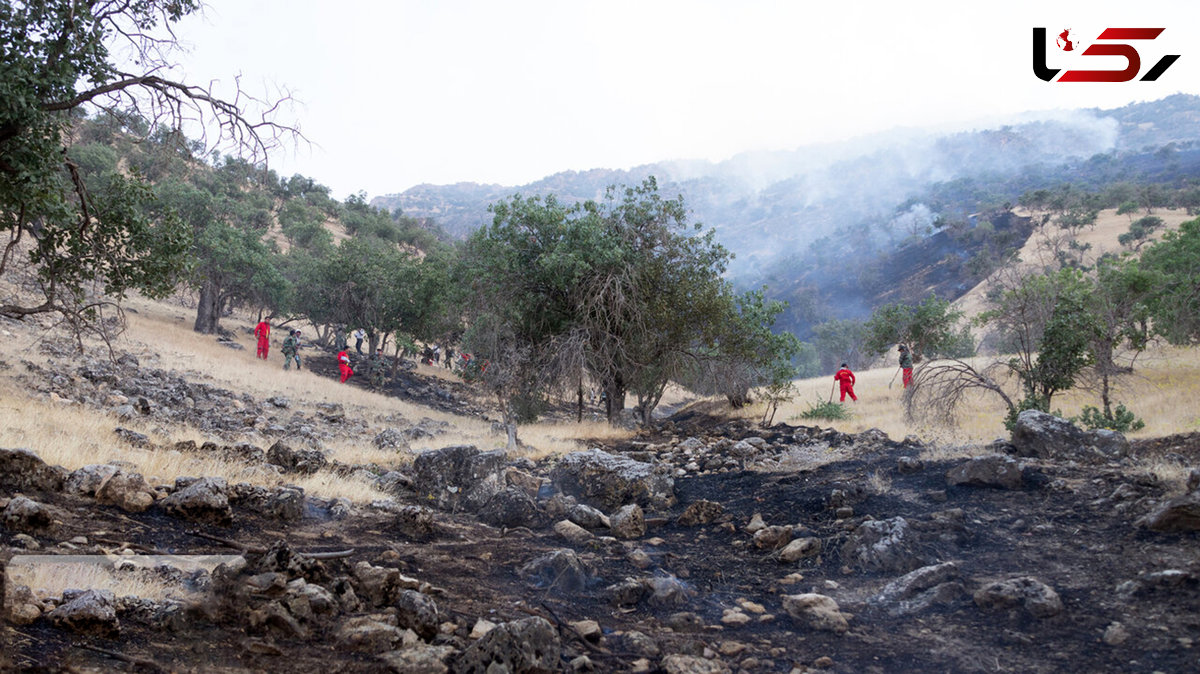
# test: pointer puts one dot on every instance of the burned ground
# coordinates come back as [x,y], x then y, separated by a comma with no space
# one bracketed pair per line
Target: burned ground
[708,589]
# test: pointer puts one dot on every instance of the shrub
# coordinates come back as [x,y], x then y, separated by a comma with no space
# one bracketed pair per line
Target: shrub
[827,410]
[1122,420]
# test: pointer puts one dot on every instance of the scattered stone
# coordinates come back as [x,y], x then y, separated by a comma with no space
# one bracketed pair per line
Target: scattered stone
[817,611]
[992,470]
[882,545]
[907,465]
[638,643]
[587,517]
[734,617]
[128,491]
[823,662]
[418,613]
[419,659]
[528,645]
[1116,634]
[481,628]
[91,612]
[612,481]
[800,549]
[511,507]
[301,461]
[369,634]
[558,569]
[1038,598]
[204,501]
[678,663]
[701,512]
[572,533]
[772,538]
[1179,514]
[390,438]
[628,522]
[756,524]
[21,469]
[24,514]
[588,629]
[639,558]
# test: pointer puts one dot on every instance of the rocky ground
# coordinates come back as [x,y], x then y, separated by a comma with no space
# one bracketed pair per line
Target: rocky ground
[700,546]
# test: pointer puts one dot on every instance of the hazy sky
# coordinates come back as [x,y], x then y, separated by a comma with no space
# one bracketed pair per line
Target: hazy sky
[396,93]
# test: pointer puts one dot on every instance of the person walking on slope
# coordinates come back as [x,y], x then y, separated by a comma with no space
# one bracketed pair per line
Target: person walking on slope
[846,378]
[343,360]
[291,350]
[906,366]
[263,332]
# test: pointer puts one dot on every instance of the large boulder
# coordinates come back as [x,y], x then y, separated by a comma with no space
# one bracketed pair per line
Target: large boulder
[921,589]
[205,501]
[992,470]
[417,612]
[628,522]
[23,514]
[21,470]
[609,481]
[459,477]
[1045,436]
[530,645]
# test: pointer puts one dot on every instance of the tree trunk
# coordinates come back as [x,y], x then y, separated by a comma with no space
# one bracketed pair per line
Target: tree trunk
[579,414]
[1104,396]
[615,388]
[208,309]
[510,424]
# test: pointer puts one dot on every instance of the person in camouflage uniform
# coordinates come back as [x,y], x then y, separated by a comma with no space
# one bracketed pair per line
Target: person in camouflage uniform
[341,338]
[375,370]
[291,350]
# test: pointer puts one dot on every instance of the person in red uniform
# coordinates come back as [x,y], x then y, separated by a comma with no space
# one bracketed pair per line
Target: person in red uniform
[906,365]
[343,360]
[263,332]
[846,378]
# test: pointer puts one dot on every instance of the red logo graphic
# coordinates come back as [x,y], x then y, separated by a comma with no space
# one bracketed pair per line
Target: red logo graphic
[1133,60]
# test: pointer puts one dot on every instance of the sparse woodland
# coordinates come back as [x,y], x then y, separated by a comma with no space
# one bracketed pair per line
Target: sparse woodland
[641,466]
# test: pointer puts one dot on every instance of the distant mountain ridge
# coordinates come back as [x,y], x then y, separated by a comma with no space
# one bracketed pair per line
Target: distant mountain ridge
[767,205]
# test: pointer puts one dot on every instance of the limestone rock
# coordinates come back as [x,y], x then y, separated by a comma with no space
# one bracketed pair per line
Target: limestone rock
[678,663]
[882,545]
[511,507]
[1181,513]
[367,634]
[701,512]
[419,659]
[799,549]
[417,612]
[817,611]
[557,569]
[21,469]
[572,533]
[89,612]
[1038,598]
[587,517]
[204,501]
[611,481]
[128,491]
[302,461]
[1046,436]
[528,645]
[459,477]
[24,514]
[628,522]
[992,470]
[772,538]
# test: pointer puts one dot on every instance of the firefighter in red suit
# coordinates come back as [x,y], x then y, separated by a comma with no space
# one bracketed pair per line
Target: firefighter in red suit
[846,378]
[263,332]
[343,360]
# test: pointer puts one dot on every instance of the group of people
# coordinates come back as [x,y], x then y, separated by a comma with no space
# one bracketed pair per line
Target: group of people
[290,346]
[845,378]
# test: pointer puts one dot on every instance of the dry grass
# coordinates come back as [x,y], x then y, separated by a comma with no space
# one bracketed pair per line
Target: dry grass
[879,482]
[50,577]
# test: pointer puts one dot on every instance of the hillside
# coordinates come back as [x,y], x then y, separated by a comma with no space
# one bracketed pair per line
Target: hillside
[769,205]
[264,520]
